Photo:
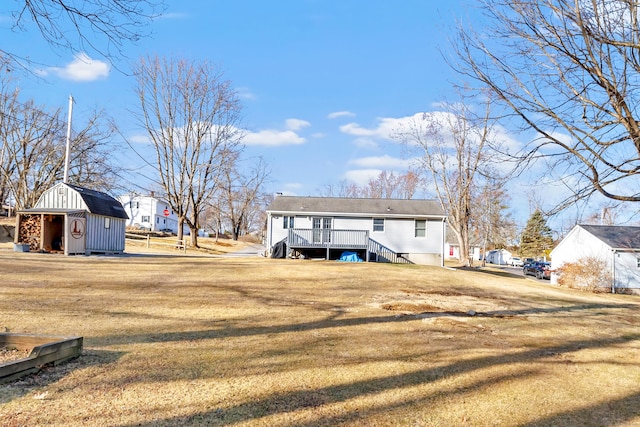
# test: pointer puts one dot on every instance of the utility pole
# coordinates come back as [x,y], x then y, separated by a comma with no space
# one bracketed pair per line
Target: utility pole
[68,149]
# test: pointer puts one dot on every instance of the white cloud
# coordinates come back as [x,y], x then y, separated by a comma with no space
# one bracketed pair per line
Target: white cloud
[385,129]
[273,138]
[139,139]
[362,176]
[339,114]
[384,162]
[356,130]
[365,143]
[296,124]
[82,69]
[245,93]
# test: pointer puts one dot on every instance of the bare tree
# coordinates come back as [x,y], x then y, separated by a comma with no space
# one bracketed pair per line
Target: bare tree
[32,150]
[569,70]
[240,196]
[452,145]
[99,26]
[191,115]
[491,221]
[386,185]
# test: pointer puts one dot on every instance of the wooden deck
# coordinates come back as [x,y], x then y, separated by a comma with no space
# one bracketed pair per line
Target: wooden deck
[328,240]
[307,238]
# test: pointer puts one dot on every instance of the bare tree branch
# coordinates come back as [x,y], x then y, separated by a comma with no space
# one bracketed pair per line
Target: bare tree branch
[569,70]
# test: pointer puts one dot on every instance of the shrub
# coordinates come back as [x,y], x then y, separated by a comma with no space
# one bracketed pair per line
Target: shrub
[589,273]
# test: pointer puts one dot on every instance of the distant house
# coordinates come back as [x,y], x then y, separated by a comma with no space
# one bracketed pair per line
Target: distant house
[618,247]
[498,256]
[383,230]
[149,213]
[72,220]
[452,247]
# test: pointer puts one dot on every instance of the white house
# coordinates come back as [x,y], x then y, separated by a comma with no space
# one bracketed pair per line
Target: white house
[73,220]
[498,256]
[149,213]
[618,247]
[452,247]
[386,230]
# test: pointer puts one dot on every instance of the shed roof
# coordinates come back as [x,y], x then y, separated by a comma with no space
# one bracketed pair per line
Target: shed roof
[616,236]
[356,206]
[100,203]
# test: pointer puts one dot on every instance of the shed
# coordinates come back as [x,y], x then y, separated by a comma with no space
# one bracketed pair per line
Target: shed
[72,220]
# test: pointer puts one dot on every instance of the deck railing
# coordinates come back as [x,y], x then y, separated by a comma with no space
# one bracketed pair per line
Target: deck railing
[327,238]
[381,253]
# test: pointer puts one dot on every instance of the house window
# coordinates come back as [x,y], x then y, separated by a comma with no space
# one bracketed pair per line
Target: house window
[638,262]
[157,220]
[378,224]
[107,222]
[145,218]
[421,228]
[287,222]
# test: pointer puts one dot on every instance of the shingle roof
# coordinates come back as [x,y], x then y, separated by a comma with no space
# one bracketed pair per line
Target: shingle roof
[354,206]
[616,236]
[100,203]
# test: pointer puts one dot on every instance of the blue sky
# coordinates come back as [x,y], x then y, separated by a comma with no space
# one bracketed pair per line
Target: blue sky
[323,83]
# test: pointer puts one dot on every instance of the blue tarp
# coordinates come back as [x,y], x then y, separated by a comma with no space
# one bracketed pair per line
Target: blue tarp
[350,257]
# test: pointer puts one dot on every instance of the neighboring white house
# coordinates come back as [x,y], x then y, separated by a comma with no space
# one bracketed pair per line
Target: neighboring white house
[617,246]
[386,230]
[149,213]
[452,247]
[498,256]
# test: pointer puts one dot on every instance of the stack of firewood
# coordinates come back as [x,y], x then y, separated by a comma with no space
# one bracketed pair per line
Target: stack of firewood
[30,231]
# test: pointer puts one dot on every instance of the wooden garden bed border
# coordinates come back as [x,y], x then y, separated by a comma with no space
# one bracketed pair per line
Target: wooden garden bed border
[45,349]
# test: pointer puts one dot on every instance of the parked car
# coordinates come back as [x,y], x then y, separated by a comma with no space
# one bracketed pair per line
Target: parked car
[542,270]
[516,262]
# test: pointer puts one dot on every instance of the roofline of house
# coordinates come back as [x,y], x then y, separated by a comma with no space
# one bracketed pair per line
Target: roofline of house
[355,214]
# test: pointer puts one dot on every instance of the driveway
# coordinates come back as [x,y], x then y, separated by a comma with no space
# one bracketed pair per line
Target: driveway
[252,249]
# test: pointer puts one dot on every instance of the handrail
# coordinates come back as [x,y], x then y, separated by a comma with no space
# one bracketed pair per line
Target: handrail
[322,238]
[384,254]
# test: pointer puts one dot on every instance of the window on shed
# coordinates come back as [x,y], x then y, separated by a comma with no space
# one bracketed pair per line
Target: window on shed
[378,224]
[421,228]
[287,222]
[107,222]
[145,218]
[638,262]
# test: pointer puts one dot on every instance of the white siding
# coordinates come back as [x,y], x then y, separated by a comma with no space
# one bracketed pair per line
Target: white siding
[61,197]
[576,245]
[102,239]
[627,272]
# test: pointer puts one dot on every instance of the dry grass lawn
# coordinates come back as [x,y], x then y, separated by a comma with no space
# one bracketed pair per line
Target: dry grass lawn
[200,340]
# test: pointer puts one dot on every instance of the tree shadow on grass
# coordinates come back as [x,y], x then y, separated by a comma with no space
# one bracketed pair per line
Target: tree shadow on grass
[604,414]
[51,373]
[334,321]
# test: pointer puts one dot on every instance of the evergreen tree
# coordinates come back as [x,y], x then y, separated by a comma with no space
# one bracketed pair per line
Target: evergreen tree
[536,236]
